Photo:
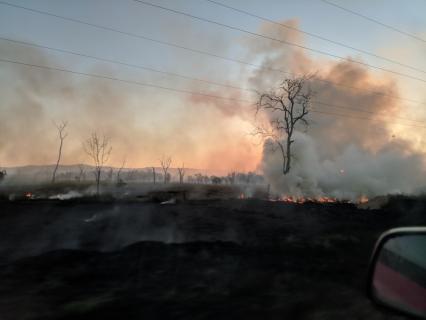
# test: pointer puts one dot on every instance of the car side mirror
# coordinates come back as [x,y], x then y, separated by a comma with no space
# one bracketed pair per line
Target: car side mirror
[397,272]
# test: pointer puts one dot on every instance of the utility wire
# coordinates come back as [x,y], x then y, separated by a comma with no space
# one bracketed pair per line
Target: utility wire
[126,64]
[189,77]
[253,65]
[329,105]
[355,117]
[280,40]
[374,20]
[120,80]
[314,35]
[144,84]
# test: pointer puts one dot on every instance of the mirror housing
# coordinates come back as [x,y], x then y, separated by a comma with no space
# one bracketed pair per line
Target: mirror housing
[397,271]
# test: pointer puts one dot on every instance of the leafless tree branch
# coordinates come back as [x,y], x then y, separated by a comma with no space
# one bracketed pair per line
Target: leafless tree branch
[285,107]
[165,162]
[62,135]
[181,172]
[99,150]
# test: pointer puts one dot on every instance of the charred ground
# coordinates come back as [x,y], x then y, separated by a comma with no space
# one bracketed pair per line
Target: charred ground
[198,259]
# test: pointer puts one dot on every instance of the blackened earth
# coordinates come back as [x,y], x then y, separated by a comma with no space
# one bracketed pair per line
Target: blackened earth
[230,259]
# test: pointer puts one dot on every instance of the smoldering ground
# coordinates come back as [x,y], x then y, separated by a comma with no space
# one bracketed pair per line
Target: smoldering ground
[235,258]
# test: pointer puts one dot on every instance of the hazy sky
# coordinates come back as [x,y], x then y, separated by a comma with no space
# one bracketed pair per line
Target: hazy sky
[145,123]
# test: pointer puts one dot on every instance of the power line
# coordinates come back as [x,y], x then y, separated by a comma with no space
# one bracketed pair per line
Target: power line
[328,105]
[126,64]
[171,89]
[374,20]
[201,52]
[120,80]
[280,41]
[186,77]
[357,117]
[314,35]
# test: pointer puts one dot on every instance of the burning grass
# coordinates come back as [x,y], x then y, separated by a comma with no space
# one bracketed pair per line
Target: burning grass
[318,199]
[301,200]
[148,192]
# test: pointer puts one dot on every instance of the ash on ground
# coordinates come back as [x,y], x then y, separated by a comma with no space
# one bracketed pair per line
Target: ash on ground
[203,259]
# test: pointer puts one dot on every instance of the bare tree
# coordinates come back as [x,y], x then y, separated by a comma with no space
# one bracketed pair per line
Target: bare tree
[231,177]
[81,174]
[153,174]
[110,174]
[62,135]
[199,178]
[181,172]
[3,175]
[99,150]
[119,170]
[285,107]
[165,162]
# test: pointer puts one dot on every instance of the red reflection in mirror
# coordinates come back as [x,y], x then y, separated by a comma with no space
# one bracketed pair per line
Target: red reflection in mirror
[394,288]
[399,278]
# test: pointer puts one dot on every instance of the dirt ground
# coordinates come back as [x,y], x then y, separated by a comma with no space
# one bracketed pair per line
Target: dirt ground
[212,259]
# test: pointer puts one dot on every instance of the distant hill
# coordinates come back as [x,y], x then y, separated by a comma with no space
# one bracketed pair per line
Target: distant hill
[43,172]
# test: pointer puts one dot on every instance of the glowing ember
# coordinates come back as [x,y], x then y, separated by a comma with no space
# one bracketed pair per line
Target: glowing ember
[363,199]
[326,200]
[29,195]
[300,200]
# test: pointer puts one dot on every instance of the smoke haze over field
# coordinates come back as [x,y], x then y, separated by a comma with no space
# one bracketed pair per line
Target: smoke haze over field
[143,124]
[348,156]
[339,156]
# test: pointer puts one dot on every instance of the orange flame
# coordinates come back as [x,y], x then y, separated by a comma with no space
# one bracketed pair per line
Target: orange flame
[29,195]
[362,199]
[301,200]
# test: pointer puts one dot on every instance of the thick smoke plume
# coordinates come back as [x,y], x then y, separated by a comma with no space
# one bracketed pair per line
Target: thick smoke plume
[343,156]
[350,174]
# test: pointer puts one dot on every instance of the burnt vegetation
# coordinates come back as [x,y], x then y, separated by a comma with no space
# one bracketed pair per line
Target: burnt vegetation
[227,258]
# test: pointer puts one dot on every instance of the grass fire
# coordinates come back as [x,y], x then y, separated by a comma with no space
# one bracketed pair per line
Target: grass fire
[204,159]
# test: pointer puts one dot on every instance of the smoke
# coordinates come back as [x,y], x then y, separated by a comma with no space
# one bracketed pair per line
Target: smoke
[350,174]
[142,123]
[343,156]
[347,156]
[67,196]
